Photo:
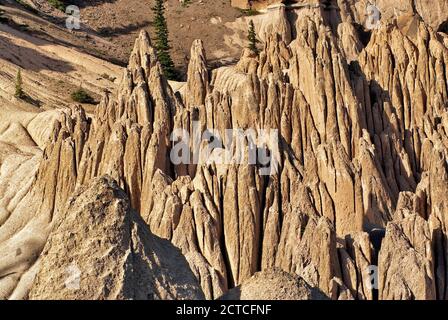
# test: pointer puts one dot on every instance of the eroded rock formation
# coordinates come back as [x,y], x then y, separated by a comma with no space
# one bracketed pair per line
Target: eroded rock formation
[274,285]
[102,249]
[361,150]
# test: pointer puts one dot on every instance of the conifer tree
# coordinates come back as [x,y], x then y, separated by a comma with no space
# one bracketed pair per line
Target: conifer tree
[161,43]
[252,37]
[19,83]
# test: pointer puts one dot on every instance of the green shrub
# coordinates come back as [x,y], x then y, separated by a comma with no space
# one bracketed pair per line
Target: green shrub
[186,3]
[82,96]
[58,4]
[108,77]
[249,12]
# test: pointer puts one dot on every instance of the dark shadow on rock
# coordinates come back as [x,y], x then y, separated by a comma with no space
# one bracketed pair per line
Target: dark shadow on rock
[174,268]
[90,3]
[30,59]
[118,31]
[378,124]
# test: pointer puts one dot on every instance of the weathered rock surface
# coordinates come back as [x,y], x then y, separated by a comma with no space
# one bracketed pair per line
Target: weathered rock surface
[361,156]
[274,285]
[406,260]
[101,249]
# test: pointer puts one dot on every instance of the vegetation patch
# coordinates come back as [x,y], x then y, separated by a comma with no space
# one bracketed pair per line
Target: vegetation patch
[161,42]
[185,3]
[82,96]
[252,37]
[108,77]
[19,93]
[249,12]
[57,4]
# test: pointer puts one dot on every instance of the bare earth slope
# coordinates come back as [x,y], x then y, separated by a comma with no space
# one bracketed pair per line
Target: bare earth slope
[109,28]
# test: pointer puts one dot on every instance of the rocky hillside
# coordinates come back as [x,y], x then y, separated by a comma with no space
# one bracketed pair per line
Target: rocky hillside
[354,207]
[108,28]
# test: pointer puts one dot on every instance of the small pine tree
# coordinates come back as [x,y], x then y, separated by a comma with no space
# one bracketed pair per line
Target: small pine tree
[19,86]
[252,37]
[161,43]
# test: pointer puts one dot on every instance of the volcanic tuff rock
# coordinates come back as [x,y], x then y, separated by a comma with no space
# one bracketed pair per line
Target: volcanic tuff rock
[434,13]
[362,163]
[406,261]
[102,249]
[274,285]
